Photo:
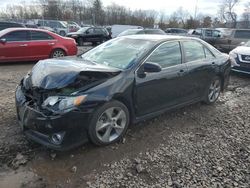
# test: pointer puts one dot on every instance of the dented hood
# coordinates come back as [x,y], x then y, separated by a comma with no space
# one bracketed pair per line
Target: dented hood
[59,73]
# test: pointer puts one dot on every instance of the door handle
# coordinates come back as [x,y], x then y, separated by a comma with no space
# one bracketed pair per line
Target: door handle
[213,63]
[51,43]
[181,72]
[23,45]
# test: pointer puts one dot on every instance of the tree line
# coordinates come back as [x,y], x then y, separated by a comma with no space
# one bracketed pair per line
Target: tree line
[93,12]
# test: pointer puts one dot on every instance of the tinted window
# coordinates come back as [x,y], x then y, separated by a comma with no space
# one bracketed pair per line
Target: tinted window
[193,50]
[91,31]
[242,34]
[167,55]
[36,35]
[17,36]
[98,31]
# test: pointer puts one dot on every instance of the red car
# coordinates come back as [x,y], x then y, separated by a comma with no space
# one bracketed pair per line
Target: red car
[25,44]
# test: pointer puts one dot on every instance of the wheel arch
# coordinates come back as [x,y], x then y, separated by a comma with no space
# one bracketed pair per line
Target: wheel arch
[128,104]
[59,48]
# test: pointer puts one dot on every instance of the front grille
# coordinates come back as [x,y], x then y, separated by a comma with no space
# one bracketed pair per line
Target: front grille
[245,57]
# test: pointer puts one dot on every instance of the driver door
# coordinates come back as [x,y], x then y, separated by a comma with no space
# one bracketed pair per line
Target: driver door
[164,89]
[16,47]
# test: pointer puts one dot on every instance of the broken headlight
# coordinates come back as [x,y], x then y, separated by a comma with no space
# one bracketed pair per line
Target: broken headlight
[63,104]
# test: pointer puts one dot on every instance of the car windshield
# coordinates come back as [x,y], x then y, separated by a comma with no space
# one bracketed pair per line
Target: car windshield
[247,44]
[119,53]
[83,29]
[129,32]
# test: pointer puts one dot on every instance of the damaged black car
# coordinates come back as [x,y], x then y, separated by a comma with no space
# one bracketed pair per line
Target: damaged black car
[62,103]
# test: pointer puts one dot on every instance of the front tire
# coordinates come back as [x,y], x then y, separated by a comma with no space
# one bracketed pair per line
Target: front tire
[213,91]
[109,123]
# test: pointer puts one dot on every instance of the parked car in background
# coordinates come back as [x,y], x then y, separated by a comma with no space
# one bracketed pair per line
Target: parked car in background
[176,31]
[240,58]
[60,27]
[5,25]
[233,39]
[90,34]
[117,29]
[25,44]
[207,34]
[122,81]
[142,31]
[31,26]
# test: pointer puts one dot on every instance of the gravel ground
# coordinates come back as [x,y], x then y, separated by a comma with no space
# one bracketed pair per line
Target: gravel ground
[196,146]
[217,155]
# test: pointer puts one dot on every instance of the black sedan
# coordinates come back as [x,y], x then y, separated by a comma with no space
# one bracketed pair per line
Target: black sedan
[64,102]
[90,34]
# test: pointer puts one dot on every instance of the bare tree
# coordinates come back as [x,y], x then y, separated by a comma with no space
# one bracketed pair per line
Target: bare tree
[227,11]
[246,16]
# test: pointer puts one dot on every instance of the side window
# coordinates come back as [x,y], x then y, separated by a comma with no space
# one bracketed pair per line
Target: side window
[208,54]
[208,33]
[216,33]
[193,51]
[98,31]
[167,55]
[17,36]
[242,34]
[90,31]
[36,35]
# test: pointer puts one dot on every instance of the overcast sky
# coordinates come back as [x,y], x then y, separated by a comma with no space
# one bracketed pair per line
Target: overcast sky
[204,6]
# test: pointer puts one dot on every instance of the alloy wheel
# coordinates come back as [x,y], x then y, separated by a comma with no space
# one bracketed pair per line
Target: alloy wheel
[214,90]
[58,53]
[111,124]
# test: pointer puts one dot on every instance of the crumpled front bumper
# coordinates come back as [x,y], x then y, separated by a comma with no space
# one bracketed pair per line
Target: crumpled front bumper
[40,128]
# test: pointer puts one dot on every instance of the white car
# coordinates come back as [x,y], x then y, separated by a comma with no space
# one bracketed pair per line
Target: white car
[240,58]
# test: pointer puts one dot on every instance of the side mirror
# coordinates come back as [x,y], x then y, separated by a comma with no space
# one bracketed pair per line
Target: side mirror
[151,67]
[242,43]
[3,41]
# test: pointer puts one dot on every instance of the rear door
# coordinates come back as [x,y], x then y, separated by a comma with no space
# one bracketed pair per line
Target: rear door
[165,89]
[99,34]
[201,67]
[90,35]
[17,46]
[41,44]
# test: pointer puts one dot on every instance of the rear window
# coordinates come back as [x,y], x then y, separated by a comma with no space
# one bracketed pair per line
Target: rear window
[242,34]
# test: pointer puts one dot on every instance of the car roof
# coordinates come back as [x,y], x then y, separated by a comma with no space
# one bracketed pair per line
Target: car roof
[21,29]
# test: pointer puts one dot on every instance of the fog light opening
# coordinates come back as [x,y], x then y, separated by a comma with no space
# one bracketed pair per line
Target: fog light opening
[57,138]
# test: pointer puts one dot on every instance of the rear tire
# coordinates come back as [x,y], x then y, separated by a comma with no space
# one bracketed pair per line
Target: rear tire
[80,41]
[213,91]
[57,53]
[109,123]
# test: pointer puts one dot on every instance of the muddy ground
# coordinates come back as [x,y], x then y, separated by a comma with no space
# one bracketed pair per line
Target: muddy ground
[196,146]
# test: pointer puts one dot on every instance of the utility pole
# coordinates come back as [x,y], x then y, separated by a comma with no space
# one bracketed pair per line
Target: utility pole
[196,9]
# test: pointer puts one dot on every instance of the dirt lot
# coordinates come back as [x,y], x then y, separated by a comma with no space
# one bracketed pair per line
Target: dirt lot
[197,146]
